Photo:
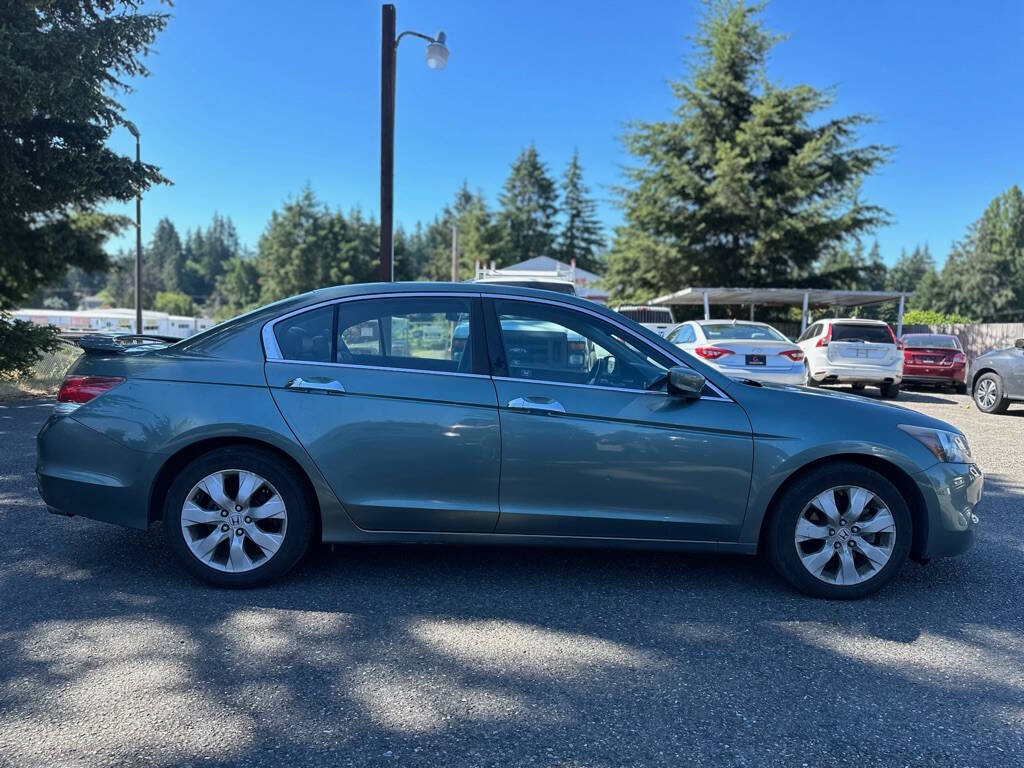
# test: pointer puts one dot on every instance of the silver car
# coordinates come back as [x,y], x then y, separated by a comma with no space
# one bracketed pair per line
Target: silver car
[742,349]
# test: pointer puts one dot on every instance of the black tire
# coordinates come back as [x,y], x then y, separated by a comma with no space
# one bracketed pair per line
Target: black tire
[889,391]
[809,380]
[999,403]
[960,389]
[298,501]
[858,387]
[785,513]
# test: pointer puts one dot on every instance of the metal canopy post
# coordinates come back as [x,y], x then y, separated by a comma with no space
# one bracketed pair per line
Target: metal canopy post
[803,315]
[707,308]
[899,319]
[751,313]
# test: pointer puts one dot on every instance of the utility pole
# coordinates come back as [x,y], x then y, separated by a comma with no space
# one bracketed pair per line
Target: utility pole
[138,232]
[455,253]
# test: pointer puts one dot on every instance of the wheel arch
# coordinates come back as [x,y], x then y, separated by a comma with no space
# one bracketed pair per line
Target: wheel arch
[975,375]
[893,473]
[179,460]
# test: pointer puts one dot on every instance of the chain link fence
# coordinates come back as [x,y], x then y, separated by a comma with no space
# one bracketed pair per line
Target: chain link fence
[46,375]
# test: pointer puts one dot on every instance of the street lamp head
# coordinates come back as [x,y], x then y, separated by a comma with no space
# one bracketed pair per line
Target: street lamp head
[437,52]
[131,128]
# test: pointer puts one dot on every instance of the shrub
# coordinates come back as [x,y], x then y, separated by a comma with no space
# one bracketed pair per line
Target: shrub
[22,344]
[929,317]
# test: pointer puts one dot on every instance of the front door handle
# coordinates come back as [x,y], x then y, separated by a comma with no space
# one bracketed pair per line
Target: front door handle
[536,403]
[316,384]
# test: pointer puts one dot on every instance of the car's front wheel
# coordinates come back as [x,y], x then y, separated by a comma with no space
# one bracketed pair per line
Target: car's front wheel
[842,531]
[238,517]
[988,394]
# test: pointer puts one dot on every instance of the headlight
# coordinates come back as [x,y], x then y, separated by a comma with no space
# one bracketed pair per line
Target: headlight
[950,447]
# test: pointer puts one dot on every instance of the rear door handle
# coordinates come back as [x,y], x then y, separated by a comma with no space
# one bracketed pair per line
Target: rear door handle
[316,384]
[542,404]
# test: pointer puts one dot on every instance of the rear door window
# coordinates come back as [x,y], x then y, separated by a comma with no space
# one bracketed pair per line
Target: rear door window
[306,336]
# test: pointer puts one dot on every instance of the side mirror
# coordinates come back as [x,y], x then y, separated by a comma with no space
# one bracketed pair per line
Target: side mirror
[1019,343]
[685,383]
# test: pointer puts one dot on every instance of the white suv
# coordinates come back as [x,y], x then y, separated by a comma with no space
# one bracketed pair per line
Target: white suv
[845,350]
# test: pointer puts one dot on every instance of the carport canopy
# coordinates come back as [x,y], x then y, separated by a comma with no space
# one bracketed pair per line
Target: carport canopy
[789,297]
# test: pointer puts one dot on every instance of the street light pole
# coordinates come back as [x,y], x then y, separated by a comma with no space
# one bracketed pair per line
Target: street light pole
[437,57]
[138,233]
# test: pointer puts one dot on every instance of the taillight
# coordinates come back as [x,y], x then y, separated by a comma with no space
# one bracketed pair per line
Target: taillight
[712,353]
[796,355]
[959,357]
[77,390]
[824,340]
[908,356]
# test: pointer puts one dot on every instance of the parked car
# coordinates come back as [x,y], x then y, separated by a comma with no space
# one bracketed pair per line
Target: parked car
[998,379]
[657,319]
[844,350]
[255,437]
[740,348]
[934,358]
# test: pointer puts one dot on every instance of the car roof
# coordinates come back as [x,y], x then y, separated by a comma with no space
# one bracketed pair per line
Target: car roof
[731,322]
[850,320]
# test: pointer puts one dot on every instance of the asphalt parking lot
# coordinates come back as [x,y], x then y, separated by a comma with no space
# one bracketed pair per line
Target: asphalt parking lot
[439,656]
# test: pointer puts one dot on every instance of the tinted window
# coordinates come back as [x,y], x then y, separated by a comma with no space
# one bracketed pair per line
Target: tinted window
[720,331]
[810,333]
[306,336]
[875,334]
[549,343]
[935,341]
[429,333]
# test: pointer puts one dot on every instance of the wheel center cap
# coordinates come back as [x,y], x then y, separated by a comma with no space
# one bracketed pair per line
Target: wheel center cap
[236,520]
[843,535]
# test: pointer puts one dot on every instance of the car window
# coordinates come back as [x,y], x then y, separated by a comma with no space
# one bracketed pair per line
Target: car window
[934,341]
[722,331]
[430,333]
[306,336]
[550,343]
[810,333]
[684,335]
[874,334]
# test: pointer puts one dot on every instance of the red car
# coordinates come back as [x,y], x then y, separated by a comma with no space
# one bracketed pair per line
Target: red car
[934,358]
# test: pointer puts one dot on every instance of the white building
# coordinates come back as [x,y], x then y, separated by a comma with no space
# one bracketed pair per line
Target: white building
[116,321]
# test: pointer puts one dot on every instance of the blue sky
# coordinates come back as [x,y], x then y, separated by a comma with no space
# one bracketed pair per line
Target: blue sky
[249,100]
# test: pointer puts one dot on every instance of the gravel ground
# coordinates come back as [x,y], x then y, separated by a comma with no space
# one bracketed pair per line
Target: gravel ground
[436,656]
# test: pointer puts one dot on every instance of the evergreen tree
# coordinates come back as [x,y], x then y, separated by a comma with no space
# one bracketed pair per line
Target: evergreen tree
[166,255]
[909,270]
[742,187]
[528,209]
[581,237]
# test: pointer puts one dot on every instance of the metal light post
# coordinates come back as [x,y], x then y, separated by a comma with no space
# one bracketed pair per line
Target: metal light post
[437,57]
[138,233]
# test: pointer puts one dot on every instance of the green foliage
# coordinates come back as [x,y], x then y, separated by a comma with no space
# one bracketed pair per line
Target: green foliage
[306,246]
[174,303]
[528,210]
[741,188]
[61,64]
[22,344]
[166,255]
[930,317]
[238,288]
[581,237]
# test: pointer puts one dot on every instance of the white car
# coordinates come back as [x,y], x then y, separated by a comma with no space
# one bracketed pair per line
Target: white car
[845,350]
[742,349]
[657,319]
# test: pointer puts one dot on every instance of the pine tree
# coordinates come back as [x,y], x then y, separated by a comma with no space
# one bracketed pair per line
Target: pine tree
[908,271]
[581,237]
[166,256]
[528,209]
[743,187]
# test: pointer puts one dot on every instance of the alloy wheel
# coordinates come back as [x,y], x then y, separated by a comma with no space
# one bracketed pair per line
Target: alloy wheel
[845,535]
[986,393]
[234,520]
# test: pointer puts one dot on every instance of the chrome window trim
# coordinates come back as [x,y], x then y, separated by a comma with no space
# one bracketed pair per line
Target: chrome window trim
[273,351]
[721,396]
[383,368]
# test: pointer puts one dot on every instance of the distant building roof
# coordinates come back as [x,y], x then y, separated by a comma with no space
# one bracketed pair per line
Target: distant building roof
[548,263]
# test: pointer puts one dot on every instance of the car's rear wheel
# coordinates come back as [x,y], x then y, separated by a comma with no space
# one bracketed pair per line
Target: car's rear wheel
[238,517]
[842,531]
[889,391]
[809,380]
[988,394]
[858,387]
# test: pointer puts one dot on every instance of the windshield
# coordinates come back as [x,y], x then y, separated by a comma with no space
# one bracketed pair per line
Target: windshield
[935,341]
[873,334]
[724,331]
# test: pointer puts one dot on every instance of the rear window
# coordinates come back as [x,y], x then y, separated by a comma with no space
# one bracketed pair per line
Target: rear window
[935,341]
[873,334]
[647,314]
[721,331]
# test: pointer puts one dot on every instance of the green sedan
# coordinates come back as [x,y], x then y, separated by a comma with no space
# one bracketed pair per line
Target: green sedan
[361,414]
